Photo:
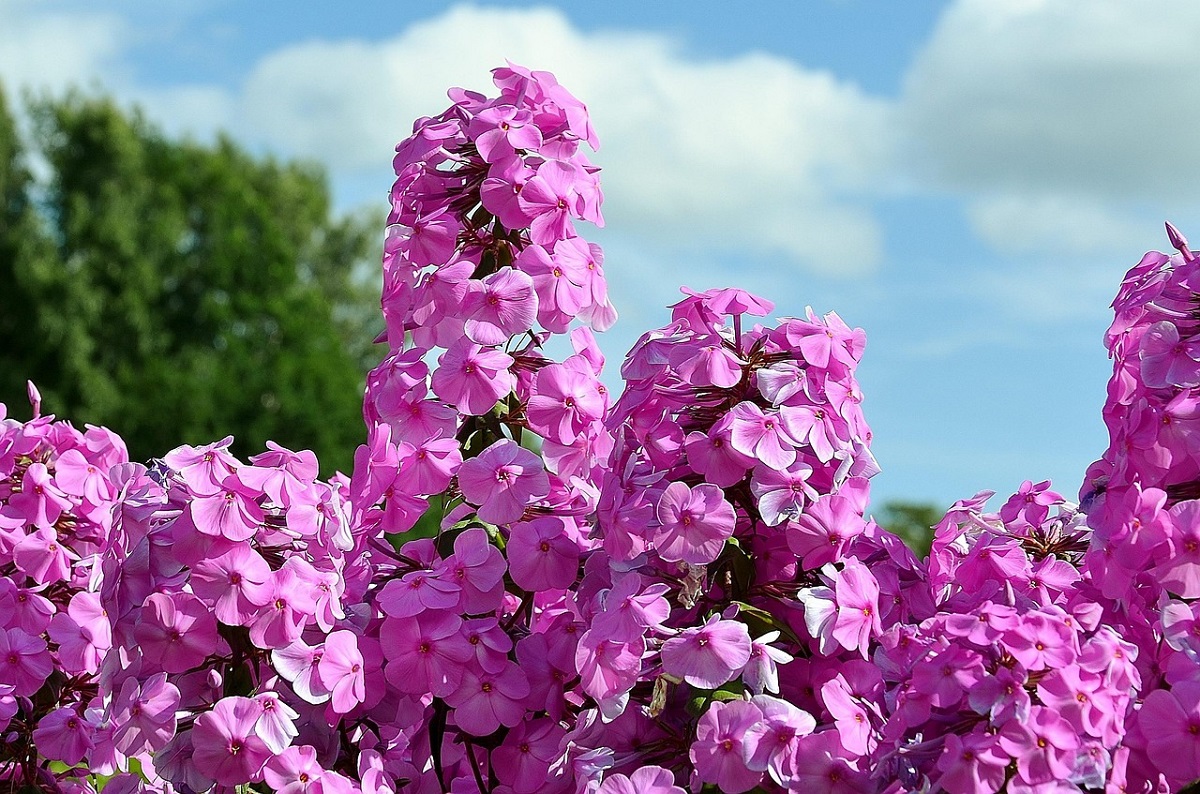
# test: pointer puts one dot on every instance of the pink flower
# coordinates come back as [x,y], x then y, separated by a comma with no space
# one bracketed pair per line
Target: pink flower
[782,494]
[472,378]
[646,780]
[43,558]
[971,764]
[767,437]
[529,751]
[1043,746]
[39,502]
[144,714]
[772,743]
[75,475]
[485,701]
[501,306]
[226,747]
[503,480]
[477,569]
[63,735]
[719,753]
[564,403]
[1170,721]
[294,771]
[237,582]
[176,631]
[83,633]
[1168,360]
[341,671]
[297,663]
[427,653]
[541,556]
[231,511]
[203,468]
[857,596]
[712,454]
[710,655]
[850,717]
[694,523]
[607,667]
[550,198]
[761,673]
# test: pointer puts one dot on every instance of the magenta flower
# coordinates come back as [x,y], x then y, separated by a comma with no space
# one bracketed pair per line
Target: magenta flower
[225,745]
[529,751]
[1168,360]
[144,714]
[82,633]
[646,780]
[766,437]
[427,653]
[710,655]
[821,533]
[43,558]
[694,523]
[294,771]
[293,601]
[75,475]
[857,596]
[503,480]
[231,512]
[418,591]
[712,454]
[276,724]
[719,753]
[63,735]
[477,568]
[564,403]
[485,701]
[971,764]
[559,282]
[1170,721]
[237,582]
[782,494]
[772,743]
[1043,746]
[39,502]
[500,131]
[1041,642]
[541,556]
[341,671]
[712,364]
[550,198]
[472,378]
[607,667]
[761,673]
[851,719]
[297,663]
[501,306]
[176,631]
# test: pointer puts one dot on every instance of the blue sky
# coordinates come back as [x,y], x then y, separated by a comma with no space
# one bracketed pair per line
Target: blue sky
[965,179]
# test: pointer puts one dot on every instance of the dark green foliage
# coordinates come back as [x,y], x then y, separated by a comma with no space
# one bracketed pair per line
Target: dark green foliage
[178,292]
[912,522]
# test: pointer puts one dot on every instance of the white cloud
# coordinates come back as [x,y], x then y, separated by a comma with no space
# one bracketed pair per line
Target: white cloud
[43,50]
[749,154]
[1030,106]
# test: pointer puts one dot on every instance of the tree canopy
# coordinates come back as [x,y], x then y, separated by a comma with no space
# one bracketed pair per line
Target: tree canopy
[178,291]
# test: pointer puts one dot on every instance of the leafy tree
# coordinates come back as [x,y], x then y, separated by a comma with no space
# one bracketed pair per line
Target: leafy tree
[912,522]
[178,291]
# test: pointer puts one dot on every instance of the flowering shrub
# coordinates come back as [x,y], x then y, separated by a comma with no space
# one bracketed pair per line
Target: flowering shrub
[679,589]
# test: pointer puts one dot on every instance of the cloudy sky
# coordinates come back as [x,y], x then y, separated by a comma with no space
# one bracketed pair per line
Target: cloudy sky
[966,179]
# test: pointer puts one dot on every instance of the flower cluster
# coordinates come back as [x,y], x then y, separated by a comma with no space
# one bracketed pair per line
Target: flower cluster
[225,583]
[58,491]
[1143,502]
[679,589]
